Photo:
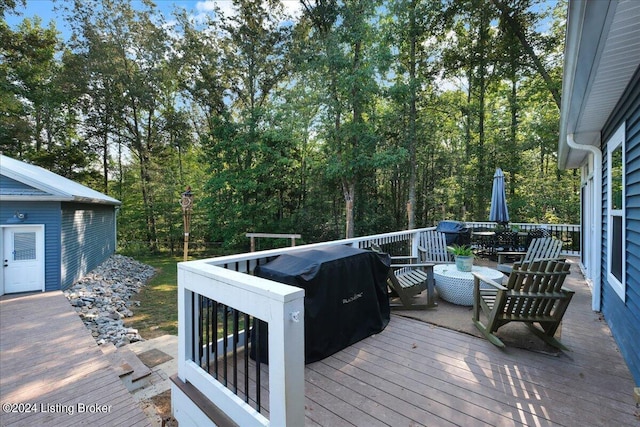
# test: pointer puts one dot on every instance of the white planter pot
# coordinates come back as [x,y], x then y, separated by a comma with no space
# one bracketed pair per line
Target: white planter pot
[464,263]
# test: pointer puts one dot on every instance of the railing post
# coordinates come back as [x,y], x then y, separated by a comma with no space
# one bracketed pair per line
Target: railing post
[185,331]
[286,364]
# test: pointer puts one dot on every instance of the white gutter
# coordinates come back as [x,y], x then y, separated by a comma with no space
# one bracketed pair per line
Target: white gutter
[596,223]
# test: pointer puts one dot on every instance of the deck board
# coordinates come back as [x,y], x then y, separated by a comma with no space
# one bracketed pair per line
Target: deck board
[411,374]
[417,374]
[49,357]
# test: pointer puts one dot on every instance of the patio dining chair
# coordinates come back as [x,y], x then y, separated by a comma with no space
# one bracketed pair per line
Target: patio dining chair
[536,233]
[505,241]
[533,294]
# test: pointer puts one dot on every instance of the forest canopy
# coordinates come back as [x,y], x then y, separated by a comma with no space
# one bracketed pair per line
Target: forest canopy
[347,118]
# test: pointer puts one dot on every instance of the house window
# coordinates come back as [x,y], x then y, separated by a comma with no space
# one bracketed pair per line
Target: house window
[616,212]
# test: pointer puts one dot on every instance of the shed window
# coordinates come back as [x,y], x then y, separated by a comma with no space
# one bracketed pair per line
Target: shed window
[616,212]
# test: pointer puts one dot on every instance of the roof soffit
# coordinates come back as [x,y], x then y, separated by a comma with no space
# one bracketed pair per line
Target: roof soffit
[601,56]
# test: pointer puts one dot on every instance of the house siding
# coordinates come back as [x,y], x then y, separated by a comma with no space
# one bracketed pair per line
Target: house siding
[623,317]
[9,186]
[47,213]
[88,238]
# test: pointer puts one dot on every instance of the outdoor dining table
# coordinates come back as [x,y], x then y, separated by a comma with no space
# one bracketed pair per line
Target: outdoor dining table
[456,286]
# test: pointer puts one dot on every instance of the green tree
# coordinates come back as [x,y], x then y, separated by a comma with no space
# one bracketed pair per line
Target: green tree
[345,62]
[130,82]
[244,147]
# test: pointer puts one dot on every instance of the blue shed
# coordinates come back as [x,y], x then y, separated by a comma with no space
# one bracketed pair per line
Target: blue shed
[600,135]
[54,230]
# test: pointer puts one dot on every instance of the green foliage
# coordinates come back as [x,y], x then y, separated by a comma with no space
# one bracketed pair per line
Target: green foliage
[460,250]
[328,124]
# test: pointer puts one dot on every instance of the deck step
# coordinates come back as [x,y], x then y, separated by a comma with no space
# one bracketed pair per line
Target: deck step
[133,373]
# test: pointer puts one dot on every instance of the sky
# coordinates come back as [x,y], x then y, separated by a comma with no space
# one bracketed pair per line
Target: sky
[44,9]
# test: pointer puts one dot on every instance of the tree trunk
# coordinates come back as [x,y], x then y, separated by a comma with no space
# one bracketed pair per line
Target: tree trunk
[349,191]
[482,89]
[411,218]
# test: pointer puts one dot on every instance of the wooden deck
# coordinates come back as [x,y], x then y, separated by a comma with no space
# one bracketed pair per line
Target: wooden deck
[411,374]
[50,363]
[417,374]
[414,373]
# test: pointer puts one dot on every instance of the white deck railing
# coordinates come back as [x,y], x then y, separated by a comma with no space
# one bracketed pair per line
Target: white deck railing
[225,281]
[281,306]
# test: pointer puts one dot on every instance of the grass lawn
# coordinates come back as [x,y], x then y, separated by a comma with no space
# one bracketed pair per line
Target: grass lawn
[158,311]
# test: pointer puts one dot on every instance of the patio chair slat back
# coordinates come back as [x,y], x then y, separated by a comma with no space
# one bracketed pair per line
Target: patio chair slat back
[540,248]
[432,247]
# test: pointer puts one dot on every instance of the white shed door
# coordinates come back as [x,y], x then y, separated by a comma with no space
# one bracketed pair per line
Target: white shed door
[23,258]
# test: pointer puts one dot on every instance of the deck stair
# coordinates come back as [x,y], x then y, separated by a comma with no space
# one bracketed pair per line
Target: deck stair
[133,373]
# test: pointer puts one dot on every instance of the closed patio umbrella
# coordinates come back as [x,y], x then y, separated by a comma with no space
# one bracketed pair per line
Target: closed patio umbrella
[499,212]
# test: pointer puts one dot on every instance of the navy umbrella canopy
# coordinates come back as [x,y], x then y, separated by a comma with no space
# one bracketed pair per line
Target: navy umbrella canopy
[499,212]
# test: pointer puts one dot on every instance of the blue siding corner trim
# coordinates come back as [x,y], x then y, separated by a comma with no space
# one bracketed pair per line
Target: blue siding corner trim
[624,317]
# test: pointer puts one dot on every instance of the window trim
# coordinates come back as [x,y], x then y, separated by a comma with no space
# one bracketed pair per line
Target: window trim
[616,141]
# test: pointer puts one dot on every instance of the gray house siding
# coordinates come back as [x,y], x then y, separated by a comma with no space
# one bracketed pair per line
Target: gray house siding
[624,317]
[88,238]
[47,213]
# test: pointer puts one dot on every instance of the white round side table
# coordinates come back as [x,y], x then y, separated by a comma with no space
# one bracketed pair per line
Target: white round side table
[456,286]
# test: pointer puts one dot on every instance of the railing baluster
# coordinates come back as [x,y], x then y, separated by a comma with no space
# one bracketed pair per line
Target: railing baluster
[216,354]
[225,333]
[235,351]
[247,325]
[208,336]
[200,330]
[256,329]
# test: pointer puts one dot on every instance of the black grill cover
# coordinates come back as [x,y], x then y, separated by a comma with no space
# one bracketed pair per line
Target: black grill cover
[456,232]
[345,296]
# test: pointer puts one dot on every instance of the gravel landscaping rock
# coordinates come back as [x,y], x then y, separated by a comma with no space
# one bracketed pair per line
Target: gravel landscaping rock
[102,298]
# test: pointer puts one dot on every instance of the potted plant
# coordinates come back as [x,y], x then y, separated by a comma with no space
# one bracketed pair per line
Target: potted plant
[463,256]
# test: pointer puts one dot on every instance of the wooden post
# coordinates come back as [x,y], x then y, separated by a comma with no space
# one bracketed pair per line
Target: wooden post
[253,236]
[186,201]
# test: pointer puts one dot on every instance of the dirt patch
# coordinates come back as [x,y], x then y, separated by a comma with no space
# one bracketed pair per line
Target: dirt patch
[162,403]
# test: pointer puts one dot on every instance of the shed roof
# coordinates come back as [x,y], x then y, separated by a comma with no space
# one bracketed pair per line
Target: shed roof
[602,53]
[53,187]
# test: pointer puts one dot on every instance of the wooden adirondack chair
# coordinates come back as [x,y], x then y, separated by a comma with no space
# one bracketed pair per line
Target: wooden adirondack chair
[540,248]
[407,280]
[432,247]
[533,294]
